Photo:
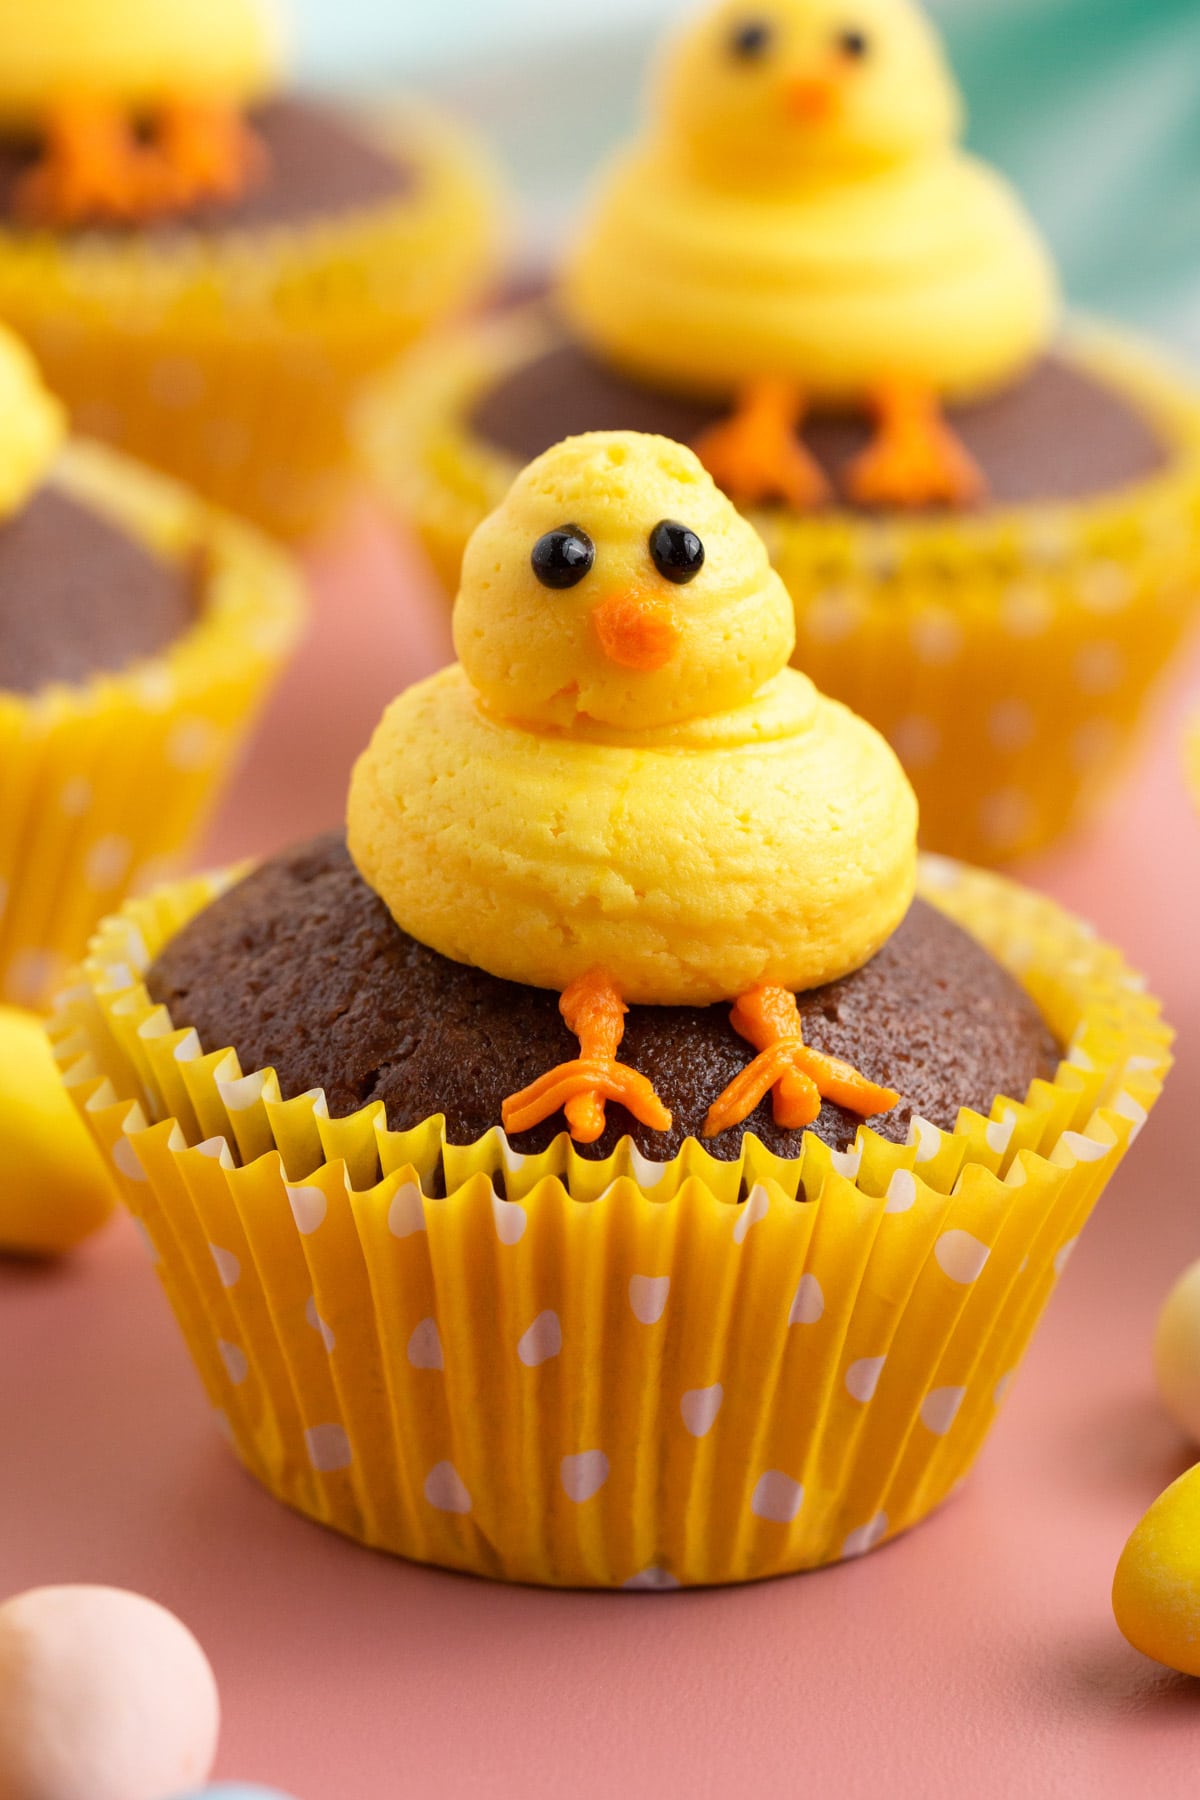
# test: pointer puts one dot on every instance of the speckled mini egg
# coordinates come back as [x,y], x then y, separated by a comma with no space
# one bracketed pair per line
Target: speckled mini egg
[1177,1352]
[104,1695]
[234,1790]
[1156,1589]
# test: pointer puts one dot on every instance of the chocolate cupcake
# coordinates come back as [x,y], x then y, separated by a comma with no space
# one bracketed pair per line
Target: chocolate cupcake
[207,267]
[987,521]
[139,634]
[599,1169]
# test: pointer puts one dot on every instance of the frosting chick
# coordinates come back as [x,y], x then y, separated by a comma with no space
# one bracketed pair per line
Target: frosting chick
[621,791]
[136,103]
[798,225]
[32,426]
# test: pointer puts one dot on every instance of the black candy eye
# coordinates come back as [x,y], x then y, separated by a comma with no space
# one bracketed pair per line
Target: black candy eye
[852,44]
[677,551]
[750,39]
[562,557]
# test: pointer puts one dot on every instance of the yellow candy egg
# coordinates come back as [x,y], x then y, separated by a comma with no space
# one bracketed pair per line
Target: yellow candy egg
[54,1190]
[1156,1589]
[1177,1352]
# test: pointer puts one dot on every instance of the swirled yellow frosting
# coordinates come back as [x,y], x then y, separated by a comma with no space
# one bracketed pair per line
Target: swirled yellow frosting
[695,827]
[805,212]
[133,52]
[32,426]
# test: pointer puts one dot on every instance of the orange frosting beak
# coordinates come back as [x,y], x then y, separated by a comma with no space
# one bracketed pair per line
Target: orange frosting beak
[637,631]
[812,99]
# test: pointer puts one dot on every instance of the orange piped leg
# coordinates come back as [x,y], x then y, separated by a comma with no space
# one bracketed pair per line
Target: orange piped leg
[802,1077]
[208,152]
[594,1010]
[756,456]
[93,170]
[915,459]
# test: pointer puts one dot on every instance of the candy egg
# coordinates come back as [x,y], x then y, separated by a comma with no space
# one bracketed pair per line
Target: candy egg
[234,1790]
[1156,1589]
[1177,1352]
[104,1695]
[55,1189]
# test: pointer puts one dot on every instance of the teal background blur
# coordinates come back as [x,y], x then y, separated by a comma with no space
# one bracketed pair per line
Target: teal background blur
[1092,106]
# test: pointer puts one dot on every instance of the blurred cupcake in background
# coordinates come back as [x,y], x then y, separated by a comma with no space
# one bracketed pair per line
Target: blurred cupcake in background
[206,266]
[139,633]
[989,522]
[597,1168]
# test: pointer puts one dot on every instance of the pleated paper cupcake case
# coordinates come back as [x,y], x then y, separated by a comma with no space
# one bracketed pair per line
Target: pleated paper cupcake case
[109,784]
[232,361]
[617,1373]
[1008,657]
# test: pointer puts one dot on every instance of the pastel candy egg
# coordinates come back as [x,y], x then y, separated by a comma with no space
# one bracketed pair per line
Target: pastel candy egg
[1177,1352]
[1156,1589]
[104,1695]
[234,1790]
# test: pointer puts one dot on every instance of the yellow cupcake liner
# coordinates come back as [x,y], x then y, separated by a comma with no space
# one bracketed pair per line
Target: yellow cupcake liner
[617,1373]
[1008,657]
[109,784]
[232,361]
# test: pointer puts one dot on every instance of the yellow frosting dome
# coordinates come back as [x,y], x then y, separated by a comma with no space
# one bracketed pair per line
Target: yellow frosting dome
[799,208]
[133,52]
[32,425]
[621,771]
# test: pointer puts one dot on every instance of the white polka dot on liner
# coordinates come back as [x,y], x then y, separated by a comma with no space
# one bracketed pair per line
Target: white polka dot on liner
[107,861]
[1011,725]
[328,1448]
[865,1537]
[406,1214]
[901,1192]
[1098,667]
[862,1377]
[755,1207]
[939,1409]
[583,1475]
[916,741]
[425,1346]
[648,1297]
[75,796]
[192,744]
[324,1331]
[509,1220]
[808,1306]
[654,1580]
[446,1490]
[309,1207]
[776,1497]
[229,1269]
[961,1256]
[699,1408]
[234,1357]
[541,1341]
[127,1160]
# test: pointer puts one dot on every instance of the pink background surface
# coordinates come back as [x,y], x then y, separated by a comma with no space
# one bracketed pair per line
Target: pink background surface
[976,1656]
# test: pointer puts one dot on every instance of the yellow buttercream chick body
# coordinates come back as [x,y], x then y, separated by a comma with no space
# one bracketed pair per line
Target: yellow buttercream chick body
[137,102]
[621,790]
[798,225]
[32,426]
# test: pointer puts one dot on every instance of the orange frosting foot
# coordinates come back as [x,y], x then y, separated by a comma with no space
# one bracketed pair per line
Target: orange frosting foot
[208,153]
[769,1018]
[595,1012]
[756,457]
[915,459]
[93,170]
